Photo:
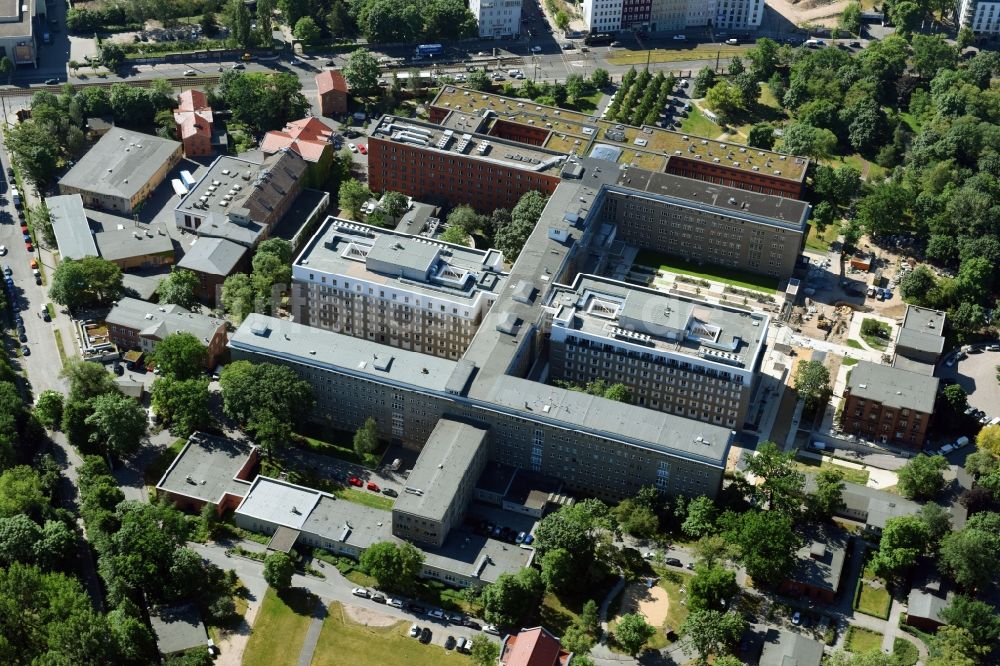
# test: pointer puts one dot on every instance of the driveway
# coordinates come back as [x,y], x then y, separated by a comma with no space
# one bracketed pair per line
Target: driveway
[977,374]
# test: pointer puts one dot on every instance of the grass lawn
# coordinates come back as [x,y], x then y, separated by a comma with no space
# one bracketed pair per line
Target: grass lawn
[59,346]
[671,581]
[696,123]
[699,52]
[821,241]
[717,273]
[365,497]
[854,344]
[336,443]
[880,341]
[874,602]
[862,640]
[905,652]
[811,466]
[849,361]
[343,642]
[910,121]
[558,612]
[587,103]
[154,472]
[280,628]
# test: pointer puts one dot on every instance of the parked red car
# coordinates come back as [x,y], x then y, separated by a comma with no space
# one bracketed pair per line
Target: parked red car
[373,487]
[363,149]
[355,481]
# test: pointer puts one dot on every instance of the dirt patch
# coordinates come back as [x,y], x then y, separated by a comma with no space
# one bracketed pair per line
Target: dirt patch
[650,602]
[369,618]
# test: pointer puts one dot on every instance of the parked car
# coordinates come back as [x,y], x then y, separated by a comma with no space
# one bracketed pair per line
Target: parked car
[796,618]
[536,49]
[3,250]
[395,603]
[471,624]
[51,82]
[528,539]
[993,348]
[414,631]
[238,65]
[389,492]
[437,614]
[363,149]
[519,539]
[463,644]
[372,486]
[361,592]
[680,38]
[25,351]
[418,609]
[449,643]
[378,598]
[491,629]
[352,147]
[355,481]
[190,72]
[673,562]
[425,635]
[23,337]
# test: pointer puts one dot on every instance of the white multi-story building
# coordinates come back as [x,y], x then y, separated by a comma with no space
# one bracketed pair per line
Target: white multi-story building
[497,18]
[602,15]
[672,15]
[982,17]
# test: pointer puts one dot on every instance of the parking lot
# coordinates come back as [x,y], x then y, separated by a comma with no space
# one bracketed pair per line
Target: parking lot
[977,374]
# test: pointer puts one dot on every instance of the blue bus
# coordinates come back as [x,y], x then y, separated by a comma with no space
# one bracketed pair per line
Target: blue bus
[430,50]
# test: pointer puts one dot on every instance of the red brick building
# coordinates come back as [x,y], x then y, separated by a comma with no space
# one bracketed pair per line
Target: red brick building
[887,404]
[533,647]
[404,156]
[193,118]
[331,89]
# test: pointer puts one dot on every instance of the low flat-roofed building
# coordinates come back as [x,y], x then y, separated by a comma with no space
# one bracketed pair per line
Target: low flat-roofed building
[405,291]
[134,248]
[209,470]
[870,506]
[790,648]
[239,200]
[819,564]
[420,219]
[213,260]
[921,337]
[887,404]
[666,348]
[74,237]
[346,528]
[121,170]
[135,324]
[532,494]
[533,647]
[178,628]
[18,38]
[440,485]
[142,287]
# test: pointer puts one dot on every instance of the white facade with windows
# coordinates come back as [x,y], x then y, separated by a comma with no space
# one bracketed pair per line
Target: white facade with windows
[497,18]
[738,14]
[602,15]
[982,17]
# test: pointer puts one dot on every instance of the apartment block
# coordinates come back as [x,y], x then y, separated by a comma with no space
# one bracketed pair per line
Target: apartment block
[706,223]
[983,17]
[498,19]
[678,355]
[628,147]
[194,123]
[672,15]
[441,483]
[140,325]
[602,15]
[888,404]
[446,166]
[393,288]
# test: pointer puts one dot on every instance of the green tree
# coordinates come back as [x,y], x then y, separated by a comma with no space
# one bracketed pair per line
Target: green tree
[455,235]
[278,570]
[265,19]
[263,101]
[802,139]
[131,637]
[904,539]
[711,631]
[917,285]
[956,399]
[977,617]
[700,521]
[87,281]
[362,71]
[119,423]
[558,570]
[306,30]
[479,80]
[822,216]
[393,567]
[393,204]
[725,99]
[49,409]
[761,135]
[21,492]
[765,541]
[238,296]
[562,20]
[711,587]
[484,652]
[6,67]
[600,79]
[238,20]
[635,519]
[56,547]
[180,356]
[703,81]
[178,288]
[764,58]
[266,399]
[632,632]
[922,477]
[112,55]
[86,380]
[509,599]
[466,219]
[965,37]
[618,393]
[181,403]
[18,535]
[828,498]
[812,383]
[352,196]
[905,16]
[850,18]
[781,485]
[972,555]
[35,149]
[366,438]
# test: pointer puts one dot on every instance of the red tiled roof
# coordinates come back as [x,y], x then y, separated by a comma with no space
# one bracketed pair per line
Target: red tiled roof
[308,137]
[193,100]
[533,647]
[331,79]
[193,114]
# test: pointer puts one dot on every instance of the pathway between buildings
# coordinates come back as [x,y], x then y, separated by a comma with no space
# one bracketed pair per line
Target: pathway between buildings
[312,635]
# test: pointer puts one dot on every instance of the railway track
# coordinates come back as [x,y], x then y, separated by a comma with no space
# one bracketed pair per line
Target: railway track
[176,82]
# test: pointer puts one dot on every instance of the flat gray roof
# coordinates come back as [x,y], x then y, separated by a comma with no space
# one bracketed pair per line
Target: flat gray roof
[213,256]
[142,287]
[923,604]
[342,353]
[120,164]
[441,469]
[820,561]
[879,505]
[912,365]
[788,648]
[783,212]
[279,502]
[159,321]
[711,332]
[893,387]
[922,329]
[206,468]
[416,218]
[70,226]
[484,148]
[178,628]
[119,244]
[407,262]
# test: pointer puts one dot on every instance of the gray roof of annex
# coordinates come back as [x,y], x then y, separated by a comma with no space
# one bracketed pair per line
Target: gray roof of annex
[70,226]
[159,321]
[922,329]
[665,322]
[120,164]
[408,262]
[708,197]
[206,468]
[893,387]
